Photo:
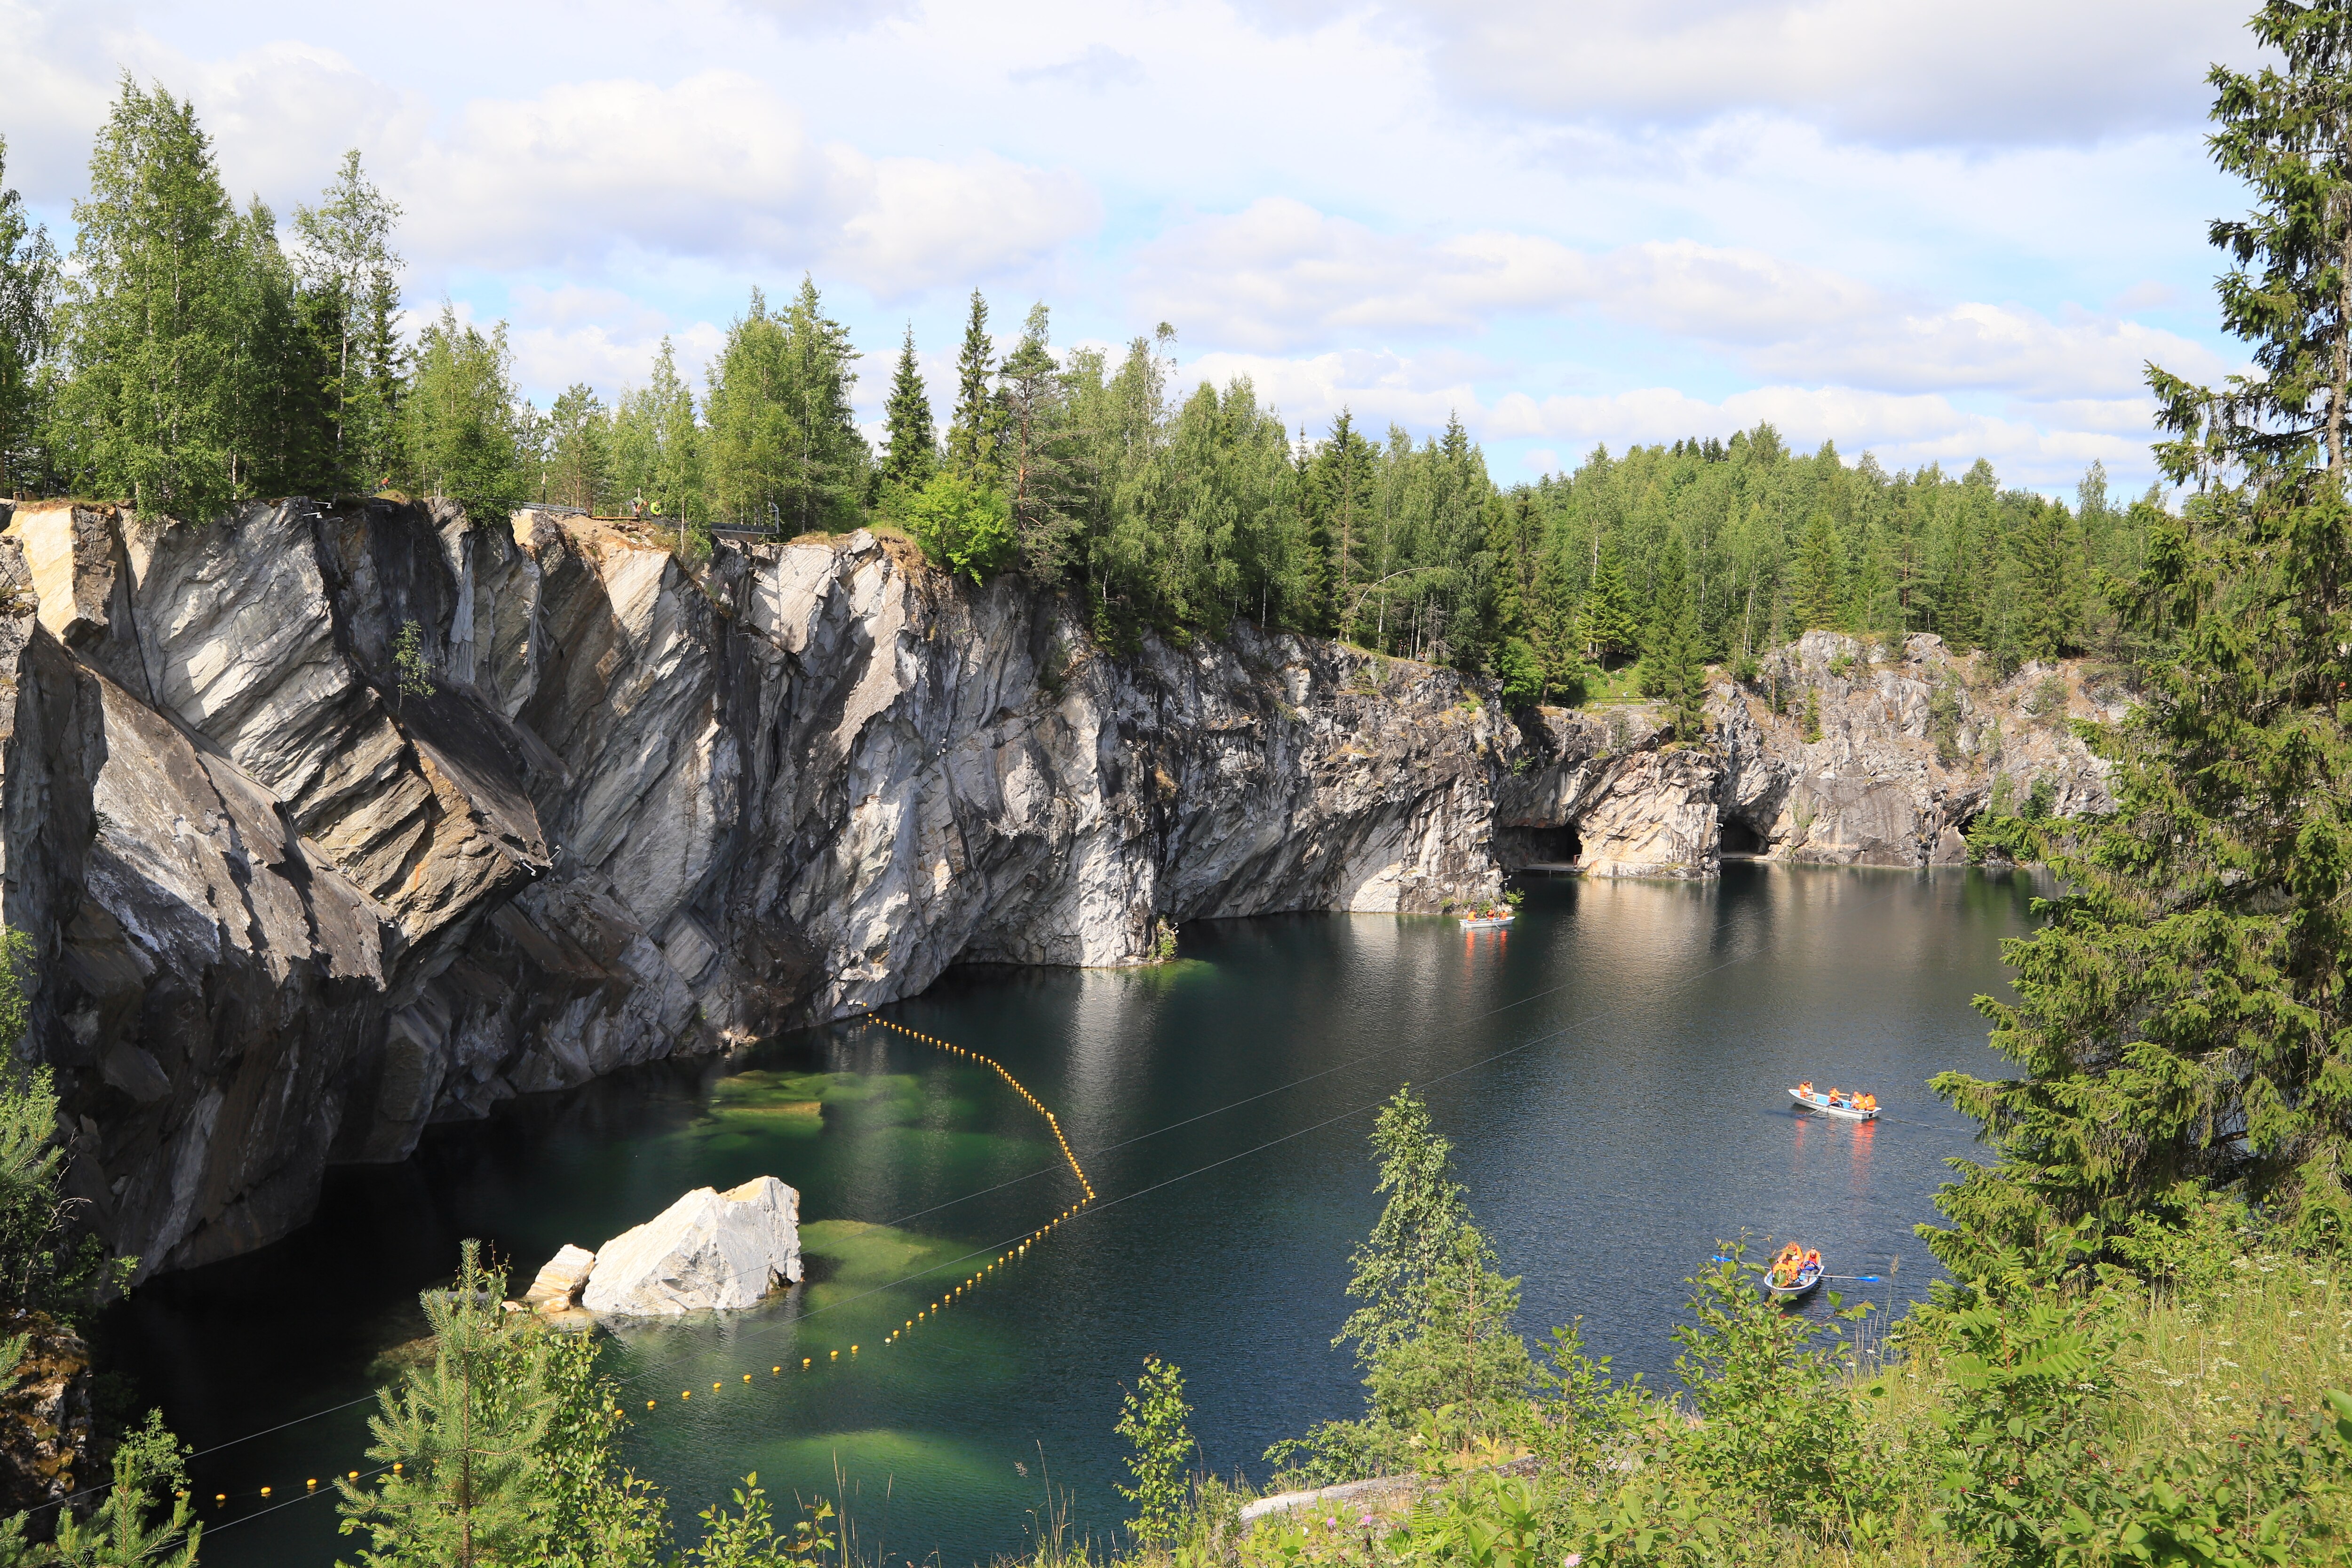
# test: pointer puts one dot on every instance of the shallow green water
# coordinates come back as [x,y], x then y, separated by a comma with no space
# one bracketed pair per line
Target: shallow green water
[1614,1072]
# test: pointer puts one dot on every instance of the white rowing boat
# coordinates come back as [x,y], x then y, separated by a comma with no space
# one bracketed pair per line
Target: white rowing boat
[1485,923]
[1840,1107]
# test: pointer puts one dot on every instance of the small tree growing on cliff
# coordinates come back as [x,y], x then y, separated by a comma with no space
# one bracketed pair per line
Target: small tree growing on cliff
[409,664]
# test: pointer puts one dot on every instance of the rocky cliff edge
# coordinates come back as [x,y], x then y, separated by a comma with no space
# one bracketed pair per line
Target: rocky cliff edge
[290,910]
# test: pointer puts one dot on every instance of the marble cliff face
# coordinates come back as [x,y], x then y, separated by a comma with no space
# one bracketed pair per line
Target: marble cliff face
[288,913]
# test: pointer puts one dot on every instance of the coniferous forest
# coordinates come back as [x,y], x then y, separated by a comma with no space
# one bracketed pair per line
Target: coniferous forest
[189,354]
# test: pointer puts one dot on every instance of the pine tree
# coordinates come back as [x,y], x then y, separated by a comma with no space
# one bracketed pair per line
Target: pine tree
[29,287]
[463,1430]
[2181,1019]
[2051,587]
[979,418]
[1032,451]
[913,453]
[784,448]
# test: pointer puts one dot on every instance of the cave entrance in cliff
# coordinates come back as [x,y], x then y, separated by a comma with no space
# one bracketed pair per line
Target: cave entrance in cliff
[1554,847]
[1741,841]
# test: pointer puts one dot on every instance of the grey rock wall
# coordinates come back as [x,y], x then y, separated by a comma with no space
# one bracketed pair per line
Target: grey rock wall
[291,913]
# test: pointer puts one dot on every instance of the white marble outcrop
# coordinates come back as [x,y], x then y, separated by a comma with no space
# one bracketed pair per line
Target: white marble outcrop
[709,1251]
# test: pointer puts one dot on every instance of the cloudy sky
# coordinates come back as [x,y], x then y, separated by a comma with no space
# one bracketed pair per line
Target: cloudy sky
[1930,230]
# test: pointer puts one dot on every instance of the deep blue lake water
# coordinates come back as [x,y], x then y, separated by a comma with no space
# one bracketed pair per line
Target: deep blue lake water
[1613,1072]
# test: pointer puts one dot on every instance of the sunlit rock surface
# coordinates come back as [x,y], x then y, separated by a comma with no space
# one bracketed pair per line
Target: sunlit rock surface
[290,913]
[709,1250]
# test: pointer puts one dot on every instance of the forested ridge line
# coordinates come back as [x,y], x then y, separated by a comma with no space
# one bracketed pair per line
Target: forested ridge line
[188,354]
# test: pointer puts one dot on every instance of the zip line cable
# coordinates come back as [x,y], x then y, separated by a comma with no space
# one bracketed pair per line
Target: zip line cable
[1093,1205]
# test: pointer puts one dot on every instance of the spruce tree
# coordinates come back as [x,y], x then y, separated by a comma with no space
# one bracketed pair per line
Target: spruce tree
[1611,625]
[1680,679]
[2181,1020]
[1819,599]
[912,455]
[973,434]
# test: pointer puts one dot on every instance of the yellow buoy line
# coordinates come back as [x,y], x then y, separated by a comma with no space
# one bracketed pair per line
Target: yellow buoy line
[1016,1246]
[1013,1251]
[1018,1088]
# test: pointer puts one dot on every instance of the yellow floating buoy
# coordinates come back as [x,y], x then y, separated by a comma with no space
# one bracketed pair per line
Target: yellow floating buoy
[312,1483]
[852,1350]
[776,1372]
[835,1356]
[355,1475]
[265,1491]
[649,1404]
[395,1467]
[714,1387]
[685,1393]
[804,1361]
[220,1498]
[747,1377]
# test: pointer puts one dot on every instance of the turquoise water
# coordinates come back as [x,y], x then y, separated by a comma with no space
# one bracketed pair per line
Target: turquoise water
[1613,1073]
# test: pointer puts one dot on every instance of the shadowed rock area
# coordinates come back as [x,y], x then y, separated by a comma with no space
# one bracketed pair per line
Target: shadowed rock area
[289,913]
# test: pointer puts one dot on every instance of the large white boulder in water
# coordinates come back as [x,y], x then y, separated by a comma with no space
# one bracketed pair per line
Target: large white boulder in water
[707,1250]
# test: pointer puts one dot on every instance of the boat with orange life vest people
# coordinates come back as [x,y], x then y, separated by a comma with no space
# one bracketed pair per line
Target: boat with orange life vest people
[1796,1271]
[1836,1102]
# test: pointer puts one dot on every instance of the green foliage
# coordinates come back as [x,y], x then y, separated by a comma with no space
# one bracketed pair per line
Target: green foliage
[148,409]
[1434,1332]
[463,423]
[350,276]
[978,420]
[964,526]
[783,451]
[29,290]
[912,454]
[410,667]
[747,1537]
[2177,1017]
[143,1520]
[1771,1424]
[463,1430]
[44,1265]
[656,448]
[575,458]
[1152,1419]
[1818,599]
[1809,724]
[1611,625]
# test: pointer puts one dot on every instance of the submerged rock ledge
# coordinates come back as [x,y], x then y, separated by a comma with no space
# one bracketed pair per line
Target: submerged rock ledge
[288,914]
